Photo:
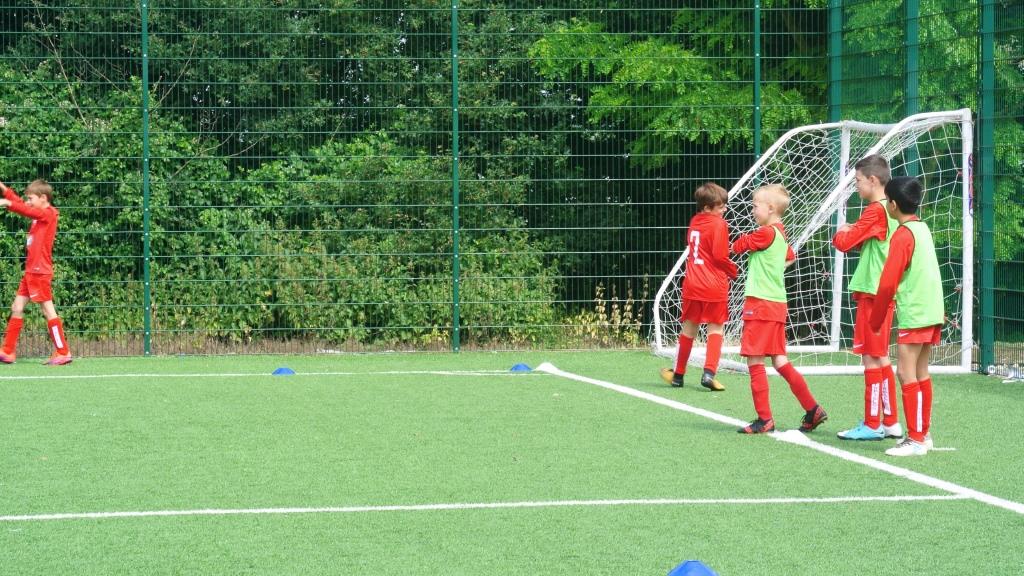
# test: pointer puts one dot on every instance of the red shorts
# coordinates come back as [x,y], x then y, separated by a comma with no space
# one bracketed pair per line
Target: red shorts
[763,338]
[864,340]
[36,287]
[927,335]
[701,312]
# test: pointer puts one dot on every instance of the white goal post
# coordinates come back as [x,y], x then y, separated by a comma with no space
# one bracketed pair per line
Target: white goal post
[815,163]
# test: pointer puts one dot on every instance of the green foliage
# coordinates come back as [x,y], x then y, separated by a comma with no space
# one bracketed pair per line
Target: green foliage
[300,156]
[666,92]
[611,322]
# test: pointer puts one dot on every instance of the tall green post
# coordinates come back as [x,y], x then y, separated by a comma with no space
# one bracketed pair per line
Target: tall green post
[911,74]
[147,295]
[986,193]
[835,60]
[455,176]
[912,43]
[757,79]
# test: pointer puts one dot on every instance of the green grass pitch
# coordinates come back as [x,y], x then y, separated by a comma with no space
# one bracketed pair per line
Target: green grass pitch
[359,464]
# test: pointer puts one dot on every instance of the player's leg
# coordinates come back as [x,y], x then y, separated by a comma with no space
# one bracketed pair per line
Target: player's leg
[714,354]
[908,355]
[686,336]
[890,412]
[55,329]
[814,415]
[14,324]
[870,428]
[925,381]
[880,349]
[759,390]
[870,346]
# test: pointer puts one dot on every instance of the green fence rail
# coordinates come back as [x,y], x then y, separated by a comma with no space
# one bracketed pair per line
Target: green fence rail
[433,176]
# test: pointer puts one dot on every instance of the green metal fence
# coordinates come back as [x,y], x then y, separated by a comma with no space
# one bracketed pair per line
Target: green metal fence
[897,58]
[420,175]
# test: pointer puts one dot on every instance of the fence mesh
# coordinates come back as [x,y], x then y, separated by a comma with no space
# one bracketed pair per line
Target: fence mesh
[405,175]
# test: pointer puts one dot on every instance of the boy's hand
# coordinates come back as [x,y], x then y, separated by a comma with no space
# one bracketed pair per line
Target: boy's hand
[4,202]
[844,228]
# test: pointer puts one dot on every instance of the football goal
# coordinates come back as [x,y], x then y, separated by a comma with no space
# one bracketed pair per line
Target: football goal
[815,163]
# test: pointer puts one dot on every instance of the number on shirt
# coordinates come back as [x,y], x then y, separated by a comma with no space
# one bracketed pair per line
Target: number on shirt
[695,247]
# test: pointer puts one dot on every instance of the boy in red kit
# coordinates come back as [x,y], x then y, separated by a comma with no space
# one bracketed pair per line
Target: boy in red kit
[706,285]
[35,284]
[765,311]
[912,275]
[871,234]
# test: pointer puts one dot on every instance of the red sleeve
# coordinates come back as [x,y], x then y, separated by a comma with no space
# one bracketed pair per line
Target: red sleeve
[10,195]
[901,248]
[720,251]
[871,224]
[18,206]
[757,240]
[790,255]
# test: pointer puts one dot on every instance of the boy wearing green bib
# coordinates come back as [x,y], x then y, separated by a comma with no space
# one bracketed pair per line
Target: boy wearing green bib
[911,275]
[870,235]
[765,311]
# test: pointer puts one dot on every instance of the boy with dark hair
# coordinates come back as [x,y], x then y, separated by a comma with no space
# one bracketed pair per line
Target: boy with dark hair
[912,275]
[765,311]
[35,283]
[706,285]
[871,233]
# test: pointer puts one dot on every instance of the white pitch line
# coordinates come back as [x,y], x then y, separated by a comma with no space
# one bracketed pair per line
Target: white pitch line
[473,506]
[801,439]
[255,374]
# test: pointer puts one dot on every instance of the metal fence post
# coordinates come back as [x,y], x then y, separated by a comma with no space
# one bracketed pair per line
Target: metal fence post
[147,309]
[455,176]
[835,60]
[757,79]
[912,41]
[986,193]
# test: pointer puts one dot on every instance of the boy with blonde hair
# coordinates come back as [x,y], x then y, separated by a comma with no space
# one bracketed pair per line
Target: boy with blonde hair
[35,283]
[765,311]
[871,233]
[912,275]
[706,285]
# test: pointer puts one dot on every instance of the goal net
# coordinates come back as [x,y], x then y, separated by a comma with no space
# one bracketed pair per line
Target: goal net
[815,163]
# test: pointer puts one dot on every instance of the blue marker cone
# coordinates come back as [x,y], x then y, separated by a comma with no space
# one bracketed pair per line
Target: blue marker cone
[520,368]
[691,568]
[284,371]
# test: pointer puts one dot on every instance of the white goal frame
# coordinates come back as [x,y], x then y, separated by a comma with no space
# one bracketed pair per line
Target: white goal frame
[831,211]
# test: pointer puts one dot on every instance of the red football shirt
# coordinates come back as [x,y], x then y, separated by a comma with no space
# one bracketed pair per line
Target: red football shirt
[39,244]
[708,267]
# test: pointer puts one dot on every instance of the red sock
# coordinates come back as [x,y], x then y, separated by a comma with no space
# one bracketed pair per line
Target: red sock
[11,336]
[872,397]
[759,389]
[714,353]
[890,415]
[685,345]
[912,402]
[798,386]
[926,404]
[56,330]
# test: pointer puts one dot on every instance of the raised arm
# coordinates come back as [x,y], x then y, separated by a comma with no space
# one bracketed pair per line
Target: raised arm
[871,224]
[757,240]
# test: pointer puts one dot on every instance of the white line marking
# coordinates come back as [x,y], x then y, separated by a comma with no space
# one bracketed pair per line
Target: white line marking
[268,374]
[799,438]
[475,506]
